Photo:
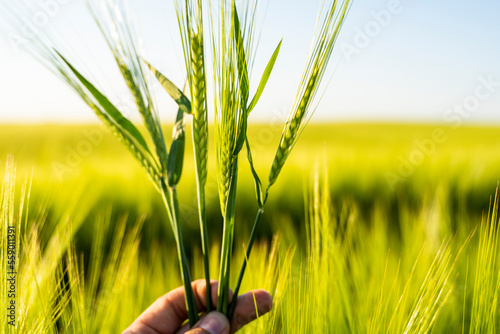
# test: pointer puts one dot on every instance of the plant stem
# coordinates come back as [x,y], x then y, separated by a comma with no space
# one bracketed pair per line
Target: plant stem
[172,204]
[244,266]
[200,161]
[204,243]
[227,242]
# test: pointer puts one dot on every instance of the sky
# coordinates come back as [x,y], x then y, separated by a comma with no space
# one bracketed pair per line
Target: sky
[395,60]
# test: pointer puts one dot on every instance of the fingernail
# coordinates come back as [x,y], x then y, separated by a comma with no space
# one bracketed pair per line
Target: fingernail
[215,323]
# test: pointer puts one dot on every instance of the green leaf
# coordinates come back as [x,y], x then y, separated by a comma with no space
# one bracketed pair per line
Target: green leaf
[258,184]
[242,134]
[172,90]
[110,109]
[265,78]
[176,156]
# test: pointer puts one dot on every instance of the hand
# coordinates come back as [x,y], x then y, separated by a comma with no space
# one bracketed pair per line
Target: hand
[167,314]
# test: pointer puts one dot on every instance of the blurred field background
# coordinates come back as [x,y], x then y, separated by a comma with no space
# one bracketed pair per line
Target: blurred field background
[390,196]
[370,164]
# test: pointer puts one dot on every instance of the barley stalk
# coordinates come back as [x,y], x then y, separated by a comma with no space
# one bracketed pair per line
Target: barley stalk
[233,52]
[81,86]
[329,23]
[200,143]
[228,114]
[147,112]
[190,19]
[231,66]
[115,25]
[227,242]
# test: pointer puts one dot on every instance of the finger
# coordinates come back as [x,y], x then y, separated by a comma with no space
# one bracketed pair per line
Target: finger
[245,312]
[215,286]
[211,323]
[168,312]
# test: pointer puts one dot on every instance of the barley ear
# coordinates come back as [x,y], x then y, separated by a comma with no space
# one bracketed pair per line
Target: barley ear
[330,22]
[116,26]
[150,167]
[200,123]
[121,127]
[109,107]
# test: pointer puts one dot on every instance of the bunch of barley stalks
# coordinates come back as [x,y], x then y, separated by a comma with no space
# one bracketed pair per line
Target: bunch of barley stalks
[231,42]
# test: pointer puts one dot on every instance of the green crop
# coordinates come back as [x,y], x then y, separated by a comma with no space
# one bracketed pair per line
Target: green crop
[233,50]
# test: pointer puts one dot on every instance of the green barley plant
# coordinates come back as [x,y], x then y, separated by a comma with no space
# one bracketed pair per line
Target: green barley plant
[233,50]
[329,24]
[230,103]
[190,19]
[231,110]
[163,166]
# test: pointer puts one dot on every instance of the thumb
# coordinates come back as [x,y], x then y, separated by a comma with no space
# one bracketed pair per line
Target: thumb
[212,323]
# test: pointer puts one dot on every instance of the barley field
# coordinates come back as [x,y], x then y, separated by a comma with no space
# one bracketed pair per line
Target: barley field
[217,223]
[372,228]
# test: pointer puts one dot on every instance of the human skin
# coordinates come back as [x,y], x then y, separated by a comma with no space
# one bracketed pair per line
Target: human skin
[168,314]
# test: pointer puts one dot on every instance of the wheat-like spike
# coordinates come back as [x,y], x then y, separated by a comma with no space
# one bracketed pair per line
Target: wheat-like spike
[231,74]
[116,26]
[189,16]
[200,136]
[53,61]
[199,105]
[291,131]
[147,113]
[125,139]
[41,49]
[226,137]
[225,161]
[228,110]
[330,22]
